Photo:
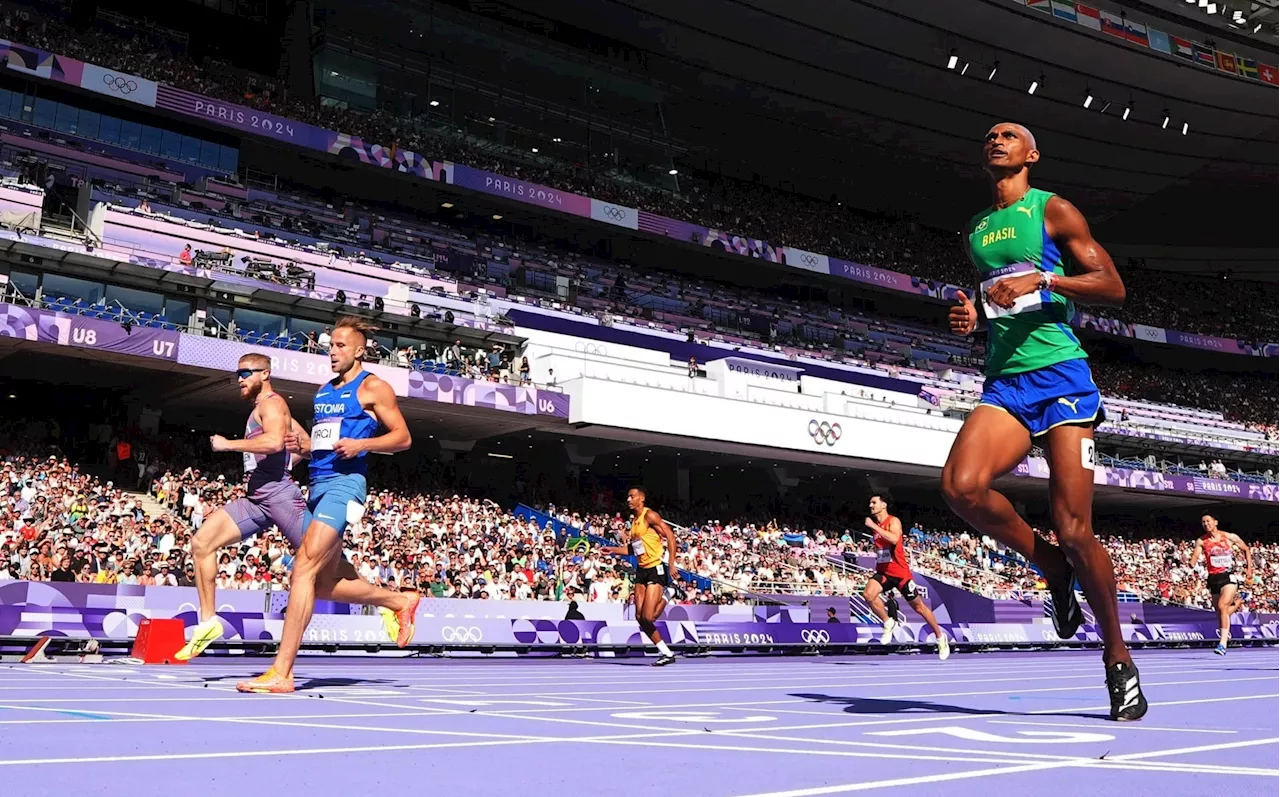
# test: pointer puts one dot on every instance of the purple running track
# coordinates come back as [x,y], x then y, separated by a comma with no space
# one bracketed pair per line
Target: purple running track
[766,727]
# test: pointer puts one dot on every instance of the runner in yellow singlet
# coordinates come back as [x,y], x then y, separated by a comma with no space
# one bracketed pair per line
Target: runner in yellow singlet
[644,539]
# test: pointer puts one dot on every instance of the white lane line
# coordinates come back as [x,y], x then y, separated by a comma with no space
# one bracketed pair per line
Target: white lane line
[1122,726]
[260,753]
[1193,701]
[1206,748]
[282,722]
[967,756]
[458,667]
[1072,709]
[1008,754]
[657,682]
[980,773]
[80,700]
[424,709]
[944,717]
[677,678]
[420,710]
[125,716]
[933,681]
[122,688]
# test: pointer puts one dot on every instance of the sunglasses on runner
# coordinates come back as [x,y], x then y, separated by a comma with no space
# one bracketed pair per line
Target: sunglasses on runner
[245,373]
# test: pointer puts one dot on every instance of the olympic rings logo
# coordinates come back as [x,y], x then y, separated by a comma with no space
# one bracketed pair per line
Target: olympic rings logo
[121,84]
[812,637]
[614,212]
[461,634]
[809,259]
[823,432]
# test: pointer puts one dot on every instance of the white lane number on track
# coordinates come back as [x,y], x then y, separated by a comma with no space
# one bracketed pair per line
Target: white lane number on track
[1023,737]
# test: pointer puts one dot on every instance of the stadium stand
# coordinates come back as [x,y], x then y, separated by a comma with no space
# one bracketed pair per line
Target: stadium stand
[650,302]
[746,209]
[1234,411]
[60,522]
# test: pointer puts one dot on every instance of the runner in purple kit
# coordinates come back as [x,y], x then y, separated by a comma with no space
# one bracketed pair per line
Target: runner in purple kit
[274,498]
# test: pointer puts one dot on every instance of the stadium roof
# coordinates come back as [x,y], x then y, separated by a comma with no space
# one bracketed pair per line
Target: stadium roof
[855,97]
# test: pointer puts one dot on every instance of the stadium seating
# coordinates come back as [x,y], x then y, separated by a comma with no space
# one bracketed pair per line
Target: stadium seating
[650,303]
[745,208]
[453,545]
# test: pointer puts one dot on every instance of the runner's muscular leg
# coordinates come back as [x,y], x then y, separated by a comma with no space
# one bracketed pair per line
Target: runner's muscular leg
[1071,496]
[1226,605]
[344,584]
[990,444]
[216,533]
[924,611]
[648,608]
[871,594]
[321,548]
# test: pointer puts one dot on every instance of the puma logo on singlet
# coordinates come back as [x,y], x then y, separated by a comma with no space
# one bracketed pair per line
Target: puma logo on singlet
[1070,403]
[1025,210]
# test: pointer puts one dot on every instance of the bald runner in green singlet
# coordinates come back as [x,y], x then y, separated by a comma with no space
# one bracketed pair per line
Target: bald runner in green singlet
[1035,258]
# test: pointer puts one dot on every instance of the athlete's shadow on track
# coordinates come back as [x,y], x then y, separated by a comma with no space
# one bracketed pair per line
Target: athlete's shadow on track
[876,705]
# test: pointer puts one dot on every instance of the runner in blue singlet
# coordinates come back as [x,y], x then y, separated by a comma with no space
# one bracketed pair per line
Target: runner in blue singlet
[348,413]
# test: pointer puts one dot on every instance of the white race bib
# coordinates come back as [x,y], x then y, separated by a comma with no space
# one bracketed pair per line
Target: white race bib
[324,434]
[355,511]
[250,463]
[1222,560]
[637,547]
[884,555]
[1023,304]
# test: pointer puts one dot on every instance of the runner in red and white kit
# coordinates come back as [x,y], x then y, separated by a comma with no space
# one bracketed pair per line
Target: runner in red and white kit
[893,571]
[1216,546]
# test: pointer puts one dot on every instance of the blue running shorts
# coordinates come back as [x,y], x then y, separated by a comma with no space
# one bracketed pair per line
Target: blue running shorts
[338,500]
[1047,397]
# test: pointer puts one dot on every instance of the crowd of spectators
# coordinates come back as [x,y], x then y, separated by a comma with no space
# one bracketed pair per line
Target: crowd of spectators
[1248,397]
[739,314]
[743,208]
[804,326]
[1224,306]
[60,523]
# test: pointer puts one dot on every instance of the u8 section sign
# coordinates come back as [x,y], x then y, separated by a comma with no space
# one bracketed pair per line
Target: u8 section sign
[42,326]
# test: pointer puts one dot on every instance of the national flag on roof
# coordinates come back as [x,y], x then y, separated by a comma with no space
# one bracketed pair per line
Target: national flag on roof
[1183,49]
[1159,40]
[1112,23]
[1205,55]
[1268,74]
[1227,62]
[1247,67]
[1088,16]
[1064,10]
[1041,5]
[1135,32]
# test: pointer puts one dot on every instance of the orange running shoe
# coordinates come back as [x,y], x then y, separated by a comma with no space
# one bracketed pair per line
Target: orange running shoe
[405,618]
[270,682]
